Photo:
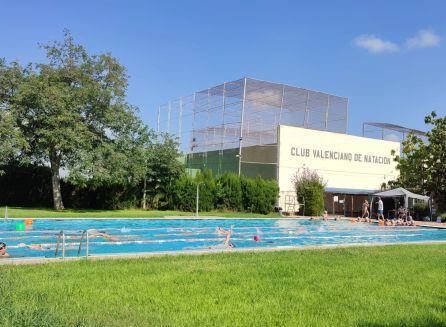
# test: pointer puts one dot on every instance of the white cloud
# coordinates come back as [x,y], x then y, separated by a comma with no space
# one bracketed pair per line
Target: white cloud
[423,39]
[374,44]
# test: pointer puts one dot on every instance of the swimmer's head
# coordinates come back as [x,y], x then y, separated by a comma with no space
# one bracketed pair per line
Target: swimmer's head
[2,248]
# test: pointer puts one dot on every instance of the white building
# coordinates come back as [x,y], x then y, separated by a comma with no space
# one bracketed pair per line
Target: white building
[254,127]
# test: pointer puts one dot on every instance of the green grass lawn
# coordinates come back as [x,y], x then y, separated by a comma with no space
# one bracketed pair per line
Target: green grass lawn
[20,212]
[371,286]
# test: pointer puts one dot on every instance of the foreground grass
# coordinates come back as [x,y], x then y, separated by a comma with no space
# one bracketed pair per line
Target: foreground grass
[373,286]
[20,212]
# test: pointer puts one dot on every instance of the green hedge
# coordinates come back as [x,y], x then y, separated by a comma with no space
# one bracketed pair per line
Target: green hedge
[30,186]
[229,194]
[226,192]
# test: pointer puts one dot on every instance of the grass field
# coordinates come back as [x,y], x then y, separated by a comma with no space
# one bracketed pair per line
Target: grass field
[19,212]
[367,286]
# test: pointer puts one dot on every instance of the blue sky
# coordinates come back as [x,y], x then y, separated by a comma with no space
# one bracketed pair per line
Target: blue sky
[387,57]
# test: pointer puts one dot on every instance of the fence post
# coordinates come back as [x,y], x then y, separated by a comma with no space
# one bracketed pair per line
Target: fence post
[63,245]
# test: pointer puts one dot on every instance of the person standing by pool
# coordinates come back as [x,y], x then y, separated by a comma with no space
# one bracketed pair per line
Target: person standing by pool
[380,209]
[365,209]
[3,253]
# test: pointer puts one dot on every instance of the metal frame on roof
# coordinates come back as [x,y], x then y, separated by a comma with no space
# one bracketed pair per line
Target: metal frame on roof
[383,127]
[245,113]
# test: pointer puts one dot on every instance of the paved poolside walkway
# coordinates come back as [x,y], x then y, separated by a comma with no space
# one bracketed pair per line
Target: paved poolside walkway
[32,261]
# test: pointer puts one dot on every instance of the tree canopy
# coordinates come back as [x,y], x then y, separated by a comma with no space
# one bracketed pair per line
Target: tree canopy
[71,113]
[422,165]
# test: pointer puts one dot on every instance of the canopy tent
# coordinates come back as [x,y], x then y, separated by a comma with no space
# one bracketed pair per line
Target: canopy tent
[402,193]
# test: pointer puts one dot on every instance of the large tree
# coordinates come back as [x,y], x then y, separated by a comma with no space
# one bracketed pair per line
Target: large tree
[162,168]
[12,142]
[71,113]
[423,163]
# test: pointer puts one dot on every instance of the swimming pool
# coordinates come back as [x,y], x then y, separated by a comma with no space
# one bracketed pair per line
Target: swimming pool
[173,235]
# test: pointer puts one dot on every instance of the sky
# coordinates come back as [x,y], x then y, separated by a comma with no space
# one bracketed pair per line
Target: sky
[387,57]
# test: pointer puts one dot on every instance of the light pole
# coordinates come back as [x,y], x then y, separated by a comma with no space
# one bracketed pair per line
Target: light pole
[198,199]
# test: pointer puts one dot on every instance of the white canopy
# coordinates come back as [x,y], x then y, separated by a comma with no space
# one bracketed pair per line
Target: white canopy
[402,193]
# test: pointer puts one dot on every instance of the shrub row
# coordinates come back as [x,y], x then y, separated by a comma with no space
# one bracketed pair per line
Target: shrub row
[225,192]
[30,186]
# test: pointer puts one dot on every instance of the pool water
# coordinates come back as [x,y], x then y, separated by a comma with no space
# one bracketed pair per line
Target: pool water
[170,235]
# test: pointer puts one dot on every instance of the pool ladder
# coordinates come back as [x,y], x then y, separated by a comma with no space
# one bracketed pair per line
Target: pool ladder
[62,237]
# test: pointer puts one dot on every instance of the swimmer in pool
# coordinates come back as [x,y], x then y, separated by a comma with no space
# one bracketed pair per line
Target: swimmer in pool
[3,253]
[40,247]
[92,232]
[96,233]
[228,234]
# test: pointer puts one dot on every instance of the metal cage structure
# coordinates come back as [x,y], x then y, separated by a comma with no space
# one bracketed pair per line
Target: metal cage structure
[233,126]
[390,132]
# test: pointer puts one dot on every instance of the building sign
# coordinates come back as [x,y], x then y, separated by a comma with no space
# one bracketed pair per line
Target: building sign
[336,155]
[343,161]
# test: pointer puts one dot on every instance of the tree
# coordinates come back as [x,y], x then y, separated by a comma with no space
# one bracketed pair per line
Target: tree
[422,165]
[12,143]
[310,186]
[162,169]
[71,113]
[411,165]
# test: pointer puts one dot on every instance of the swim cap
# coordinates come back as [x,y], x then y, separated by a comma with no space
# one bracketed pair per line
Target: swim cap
[256,238]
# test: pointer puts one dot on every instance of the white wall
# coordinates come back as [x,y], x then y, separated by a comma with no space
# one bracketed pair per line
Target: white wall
[344,161]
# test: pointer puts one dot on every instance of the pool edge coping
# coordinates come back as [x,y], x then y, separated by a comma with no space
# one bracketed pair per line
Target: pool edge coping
[146,255]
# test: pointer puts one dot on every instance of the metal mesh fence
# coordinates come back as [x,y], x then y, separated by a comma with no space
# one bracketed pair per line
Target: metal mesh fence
[389,132]
[233,126]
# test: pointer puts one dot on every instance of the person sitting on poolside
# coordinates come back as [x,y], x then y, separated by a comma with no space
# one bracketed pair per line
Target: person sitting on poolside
[3,253]
[409,221]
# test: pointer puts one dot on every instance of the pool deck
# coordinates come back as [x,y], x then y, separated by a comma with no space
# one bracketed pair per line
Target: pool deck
[142,255]
[417,223]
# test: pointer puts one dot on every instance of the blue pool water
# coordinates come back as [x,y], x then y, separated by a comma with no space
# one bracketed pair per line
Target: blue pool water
[164,235]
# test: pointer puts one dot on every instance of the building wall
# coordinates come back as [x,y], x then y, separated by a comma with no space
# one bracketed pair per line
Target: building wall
[344,161]
[258,160]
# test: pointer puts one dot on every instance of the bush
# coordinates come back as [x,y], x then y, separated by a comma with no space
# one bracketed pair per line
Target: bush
[207,190]
[184,194]
[25,185]
[30,186]
[229,192]
[310,186]
[259,195]
[421,210]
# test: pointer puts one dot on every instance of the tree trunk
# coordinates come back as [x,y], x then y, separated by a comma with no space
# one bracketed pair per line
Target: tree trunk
[144,195]
[55,181]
